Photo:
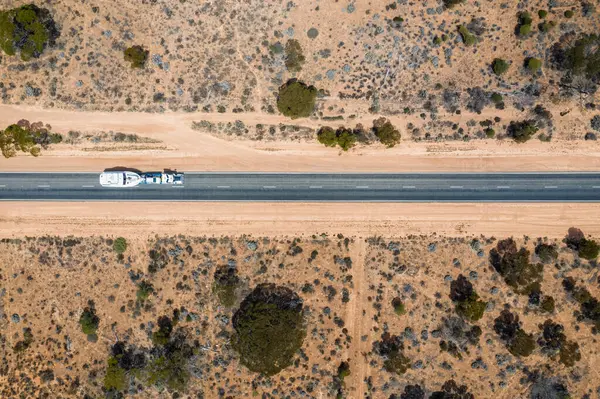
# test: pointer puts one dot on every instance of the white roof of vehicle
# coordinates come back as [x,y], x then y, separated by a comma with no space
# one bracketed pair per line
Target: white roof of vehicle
[119,179]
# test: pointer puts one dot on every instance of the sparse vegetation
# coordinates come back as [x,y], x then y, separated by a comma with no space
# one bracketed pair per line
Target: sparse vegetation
[466,299]
[386,132]
[518,342]
[26,137]
[515,267]
[296,99]
[294,59]
[120,245]
[226,284]
[343,137]
[390,349]
[585,248]
[522,131]
[468,38]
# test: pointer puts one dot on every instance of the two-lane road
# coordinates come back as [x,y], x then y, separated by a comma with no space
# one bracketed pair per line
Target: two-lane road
[308,187]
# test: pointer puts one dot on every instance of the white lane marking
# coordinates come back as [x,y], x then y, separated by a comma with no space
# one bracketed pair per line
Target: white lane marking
[503,187]
[408,186]
[2,185]
[269,186]
[178,186]
[88,186]
[43,186]
[595,186]
[362,186]
[550,187]
[456,186]
[316,187]
[222,186]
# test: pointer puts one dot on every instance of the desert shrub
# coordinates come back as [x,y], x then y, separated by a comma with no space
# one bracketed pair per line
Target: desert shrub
[136,55]
[343,370]
[165,328]
[508,327]
[579,59]
[589,306]
[88,320]
[345,138]
[553,341]
[452,3]
[225,285]
[547,305]
[523,24]
[543,387]
[158,259]
[398,306]
[568,14]
[514,266]
[296,99]
[269,328]
[468,38]
[451,390]
[546,26]
[115,378]
[478,99]
[546,252]
[595,123]
[120,245]
[387,134]
[390,349]
[466,299]
[27,30]
[144,290]
[586,249]
[533,64]
[522,131]
[294,59]
[411,392]
[499,66]
[26,342]
[457,335]
[542,14]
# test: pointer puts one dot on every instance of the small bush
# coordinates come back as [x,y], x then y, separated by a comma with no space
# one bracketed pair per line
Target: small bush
[516,269]
[294,59]
[451,390]
[568,14]
[115,376]
[136,55]
[23,345]
[595,123]
[499,66]
[588,249]
[542,13]
[452,3]
[398,306]
[518,342]
[165,328]
[225,285]
[119,245]
[524,24]
[144,290]
[533,64]
[26,137]
[466,299]
[390,349]
[546,252]
[343,137]
[296,99]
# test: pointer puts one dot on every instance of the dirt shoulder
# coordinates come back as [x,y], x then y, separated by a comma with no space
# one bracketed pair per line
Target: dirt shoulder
[147,219]
[190,150]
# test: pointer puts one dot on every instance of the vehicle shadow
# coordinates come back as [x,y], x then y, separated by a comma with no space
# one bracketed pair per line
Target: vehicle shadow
[123,169]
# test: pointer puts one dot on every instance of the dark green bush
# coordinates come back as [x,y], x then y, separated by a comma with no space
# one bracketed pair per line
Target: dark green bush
[542,13]
[390,349]
[119,245]
[588,249]
[522,131]
[294,59]
[136,55]
[533,64]
[398,306]
[115,378]
[522,344]
[343,137]
[268,329]
[580,57]
[26,342]
[499,66]
[89,321]
[589,306]
[144,290]
[296,99]
[466,300]
[451,390]
[452,3]
[523,24]
[468,38]
[387,134]
[547,305]
[516,269]
[568,14]
[226,284]
[508,327]
[26,137]
[165,328]
[27,30]
[546,252]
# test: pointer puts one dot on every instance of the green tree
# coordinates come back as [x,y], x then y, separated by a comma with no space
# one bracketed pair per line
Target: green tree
[386,132]
[346,138]
[115,376]
[499,66]
[144,290]
[398,306]
[296,99]
[27,30]
[326,136]
[542,13]
[120,245]
[294,59]
[268,329]
[136,55]
[588,249]
[524,21]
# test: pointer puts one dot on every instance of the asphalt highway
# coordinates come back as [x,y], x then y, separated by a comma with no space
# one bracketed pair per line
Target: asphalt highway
[313,187]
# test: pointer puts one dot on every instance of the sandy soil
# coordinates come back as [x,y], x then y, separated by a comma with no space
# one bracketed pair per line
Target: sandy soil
[190,150]
[146,218]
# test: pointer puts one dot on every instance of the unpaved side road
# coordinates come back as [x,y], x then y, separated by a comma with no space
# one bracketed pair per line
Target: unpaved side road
[190,150]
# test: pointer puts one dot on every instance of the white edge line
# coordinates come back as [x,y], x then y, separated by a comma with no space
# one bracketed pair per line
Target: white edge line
[408,186]
[550,187]
[223,187]
[362,186]
[456,187]
[316,187]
